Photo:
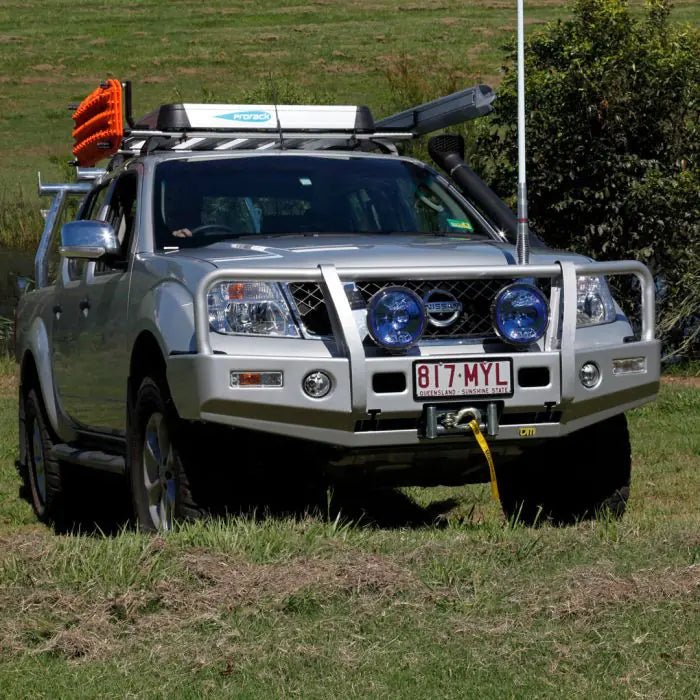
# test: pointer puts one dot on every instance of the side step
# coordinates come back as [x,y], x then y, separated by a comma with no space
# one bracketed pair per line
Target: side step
[95,459]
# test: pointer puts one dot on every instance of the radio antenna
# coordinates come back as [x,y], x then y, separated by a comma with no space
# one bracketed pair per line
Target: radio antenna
[523,238]
[273,86]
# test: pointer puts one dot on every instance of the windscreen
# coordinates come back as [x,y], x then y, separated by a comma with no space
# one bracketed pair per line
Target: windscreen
[197,202]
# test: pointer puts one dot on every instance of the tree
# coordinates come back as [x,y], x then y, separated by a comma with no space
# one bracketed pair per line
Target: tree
[612,138]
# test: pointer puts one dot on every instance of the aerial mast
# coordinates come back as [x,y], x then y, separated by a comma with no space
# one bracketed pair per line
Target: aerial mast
[523,238]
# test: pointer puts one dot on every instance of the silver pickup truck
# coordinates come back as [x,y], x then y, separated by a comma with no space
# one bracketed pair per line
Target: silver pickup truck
[279,280]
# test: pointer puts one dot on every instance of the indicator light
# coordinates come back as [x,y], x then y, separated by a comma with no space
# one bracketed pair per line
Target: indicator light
[241,379]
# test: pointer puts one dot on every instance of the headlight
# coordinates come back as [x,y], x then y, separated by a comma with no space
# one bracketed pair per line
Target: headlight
[250,308]
[520,314]
[594,303]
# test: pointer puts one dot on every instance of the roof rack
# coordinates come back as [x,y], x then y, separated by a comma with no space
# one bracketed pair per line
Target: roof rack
[179,127]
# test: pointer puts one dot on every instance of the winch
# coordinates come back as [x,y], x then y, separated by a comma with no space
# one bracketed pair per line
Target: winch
[441,421]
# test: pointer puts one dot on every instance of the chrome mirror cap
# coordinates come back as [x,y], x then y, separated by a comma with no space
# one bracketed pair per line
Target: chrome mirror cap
[88,239]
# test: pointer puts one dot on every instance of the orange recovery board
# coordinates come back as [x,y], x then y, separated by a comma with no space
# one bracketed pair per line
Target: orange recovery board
[98,128]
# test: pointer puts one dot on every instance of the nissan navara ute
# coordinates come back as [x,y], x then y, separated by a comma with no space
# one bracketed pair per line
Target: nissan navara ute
[279,280]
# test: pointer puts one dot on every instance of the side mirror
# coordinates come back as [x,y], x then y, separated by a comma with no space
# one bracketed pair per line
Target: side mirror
[22,284]
[88,239]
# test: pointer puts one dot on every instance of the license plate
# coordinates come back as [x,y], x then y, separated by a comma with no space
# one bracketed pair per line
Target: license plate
[447,379]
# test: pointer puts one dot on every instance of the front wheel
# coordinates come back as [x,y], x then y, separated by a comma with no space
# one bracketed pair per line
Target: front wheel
[571,478]
[158,468]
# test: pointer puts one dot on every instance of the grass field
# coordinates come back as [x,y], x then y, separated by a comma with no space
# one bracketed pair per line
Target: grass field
[375,52]
[315,605]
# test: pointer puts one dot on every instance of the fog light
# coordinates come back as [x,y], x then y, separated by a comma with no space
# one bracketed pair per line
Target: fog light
[396,318]
[520,314]
[256,379]
[629,365]
[317,384]
[589,374]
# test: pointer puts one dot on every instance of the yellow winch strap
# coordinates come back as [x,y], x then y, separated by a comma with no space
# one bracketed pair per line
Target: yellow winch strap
[487,453]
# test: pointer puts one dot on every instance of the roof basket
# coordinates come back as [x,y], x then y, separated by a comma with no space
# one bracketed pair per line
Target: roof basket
[100,133]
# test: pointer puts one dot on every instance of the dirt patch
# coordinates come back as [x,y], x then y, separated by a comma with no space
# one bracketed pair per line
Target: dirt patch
[344,68]
[427,7]
[83,626]
[506,5]
[588,590]
[693,382]
[294,10]
[475,50]
[8,384]
[41,80]
[232,583]
[266,54]
[28,546]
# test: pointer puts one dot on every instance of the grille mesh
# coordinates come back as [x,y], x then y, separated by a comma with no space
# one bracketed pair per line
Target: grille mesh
[476,297]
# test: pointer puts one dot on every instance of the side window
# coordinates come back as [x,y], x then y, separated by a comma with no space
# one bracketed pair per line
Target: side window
[95,208]
[53,261]
[120,212]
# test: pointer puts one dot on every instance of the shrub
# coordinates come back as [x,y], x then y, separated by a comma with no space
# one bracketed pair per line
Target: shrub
[612,139]
[21,222]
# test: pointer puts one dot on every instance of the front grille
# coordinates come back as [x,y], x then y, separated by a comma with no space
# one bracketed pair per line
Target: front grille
[311,307]
[476,297]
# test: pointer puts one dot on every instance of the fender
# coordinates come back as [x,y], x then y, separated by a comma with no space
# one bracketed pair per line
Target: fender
[166,311]
[37,344]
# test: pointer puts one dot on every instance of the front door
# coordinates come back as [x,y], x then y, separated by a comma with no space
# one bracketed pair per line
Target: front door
[94,394]
[70,317]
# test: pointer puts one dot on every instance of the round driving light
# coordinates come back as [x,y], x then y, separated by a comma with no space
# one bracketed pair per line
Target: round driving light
[396,318]
[316,384]
[589,374]
[520,314]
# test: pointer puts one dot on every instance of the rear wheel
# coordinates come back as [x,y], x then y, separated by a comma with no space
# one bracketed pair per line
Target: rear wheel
[571,478]
[43,471]
[160,460]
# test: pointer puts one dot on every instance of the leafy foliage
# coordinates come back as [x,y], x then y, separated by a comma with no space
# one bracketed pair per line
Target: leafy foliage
[612,129]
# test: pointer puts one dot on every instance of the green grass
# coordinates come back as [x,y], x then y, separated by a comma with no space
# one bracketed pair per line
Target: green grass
[384,53]
[317,606]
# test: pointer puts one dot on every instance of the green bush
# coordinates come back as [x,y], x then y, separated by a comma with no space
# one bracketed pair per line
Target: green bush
[612,139]
[21,222]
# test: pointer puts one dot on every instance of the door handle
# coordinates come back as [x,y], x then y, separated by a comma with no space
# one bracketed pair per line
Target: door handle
[84,304]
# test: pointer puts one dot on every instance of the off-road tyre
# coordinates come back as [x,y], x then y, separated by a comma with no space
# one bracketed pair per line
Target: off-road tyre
[45,483]
[578,477]
[152,405]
